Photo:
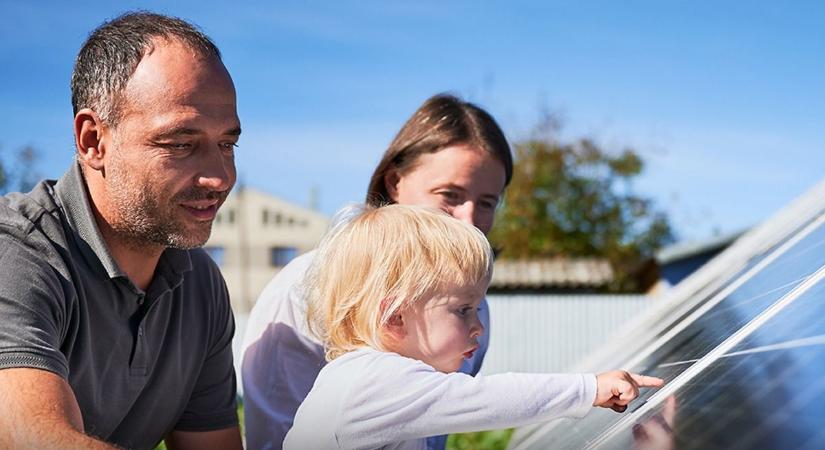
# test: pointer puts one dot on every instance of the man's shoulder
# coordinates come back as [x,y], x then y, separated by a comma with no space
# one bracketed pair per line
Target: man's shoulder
[31,226]
[202,263]
[204,277]
[21,213]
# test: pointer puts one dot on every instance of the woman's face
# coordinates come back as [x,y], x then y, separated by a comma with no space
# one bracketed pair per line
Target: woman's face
[462,180]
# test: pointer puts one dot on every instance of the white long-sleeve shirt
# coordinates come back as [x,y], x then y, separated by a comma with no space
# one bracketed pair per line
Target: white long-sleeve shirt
[281,358]
[368,399]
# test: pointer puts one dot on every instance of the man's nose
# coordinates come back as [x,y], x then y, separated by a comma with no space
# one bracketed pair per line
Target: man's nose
[217,171]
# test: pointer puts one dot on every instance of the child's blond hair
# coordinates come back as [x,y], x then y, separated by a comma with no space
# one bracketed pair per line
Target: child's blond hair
[377,261]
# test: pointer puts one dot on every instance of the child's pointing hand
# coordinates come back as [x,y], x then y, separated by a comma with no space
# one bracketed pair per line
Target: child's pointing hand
[616,389]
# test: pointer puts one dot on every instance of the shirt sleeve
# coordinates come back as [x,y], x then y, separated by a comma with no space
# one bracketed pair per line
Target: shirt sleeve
[213,403]
[33,310]
[399,399]
[281,359]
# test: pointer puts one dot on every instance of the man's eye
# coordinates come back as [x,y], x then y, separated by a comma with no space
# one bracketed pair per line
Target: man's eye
[229,145]
[178,145]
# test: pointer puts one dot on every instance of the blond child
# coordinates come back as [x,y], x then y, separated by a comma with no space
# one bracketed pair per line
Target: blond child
[393,295]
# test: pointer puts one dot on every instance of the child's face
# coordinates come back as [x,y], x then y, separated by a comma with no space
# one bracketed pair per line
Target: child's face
[443,330]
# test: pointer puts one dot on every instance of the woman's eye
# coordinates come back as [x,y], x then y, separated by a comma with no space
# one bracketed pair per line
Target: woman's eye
[450,197]
[488,205]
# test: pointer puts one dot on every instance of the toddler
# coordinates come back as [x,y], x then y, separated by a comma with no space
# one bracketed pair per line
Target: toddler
[393,295]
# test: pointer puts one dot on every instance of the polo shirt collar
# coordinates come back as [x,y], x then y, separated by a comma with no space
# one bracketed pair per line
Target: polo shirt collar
[74,198]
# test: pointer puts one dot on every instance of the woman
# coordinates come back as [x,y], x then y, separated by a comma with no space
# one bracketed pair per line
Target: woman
[450,155]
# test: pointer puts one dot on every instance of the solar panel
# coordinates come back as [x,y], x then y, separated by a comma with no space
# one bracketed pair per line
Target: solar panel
[757,288]
[766,391]
[711,338]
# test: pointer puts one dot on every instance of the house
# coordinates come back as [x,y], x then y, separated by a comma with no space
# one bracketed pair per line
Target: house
[256,234]
[679,260]
[551,275]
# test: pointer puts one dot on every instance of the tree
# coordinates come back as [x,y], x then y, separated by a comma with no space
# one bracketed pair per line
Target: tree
[22,175]
[576,200]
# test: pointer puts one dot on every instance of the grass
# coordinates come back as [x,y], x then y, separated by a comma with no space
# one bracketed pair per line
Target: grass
[484,440]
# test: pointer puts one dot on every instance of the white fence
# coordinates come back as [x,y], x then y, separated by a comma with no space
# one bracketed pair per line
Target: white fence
[550,333]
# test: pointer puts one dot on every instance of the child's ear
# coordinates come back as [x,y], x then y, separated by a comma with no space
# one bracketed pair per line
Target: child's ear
[395,326]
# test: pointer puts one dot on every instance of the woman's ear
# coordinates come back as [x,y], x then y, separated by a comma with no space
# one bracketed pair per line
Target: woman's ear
[391,179]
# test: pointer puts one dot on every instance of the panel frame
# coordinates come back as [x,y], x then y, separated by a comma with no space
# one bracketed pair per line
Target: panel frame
[699,366]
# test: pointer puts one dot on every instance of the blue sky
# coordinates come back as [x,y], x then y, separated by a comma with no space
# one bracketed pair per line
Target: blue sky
[725,100]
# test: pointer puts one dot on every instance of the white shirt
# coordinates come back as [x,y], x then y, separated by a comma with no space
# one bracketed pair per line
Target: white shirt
[280,358]
[368,399]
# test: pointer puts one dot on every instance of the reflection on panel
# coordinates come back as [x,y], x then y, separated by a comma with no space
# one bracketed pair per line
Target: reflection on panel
[768,392]
[698,338]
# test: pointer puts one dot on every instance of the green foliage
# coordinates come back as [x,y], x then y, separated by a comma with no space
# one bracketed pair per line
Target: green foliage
[576,200]
[22,175]
[485,440]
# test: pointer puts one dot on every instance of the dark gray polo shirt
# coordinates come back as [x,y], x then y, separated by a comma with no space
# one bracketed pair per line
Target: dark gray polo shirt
[141,364]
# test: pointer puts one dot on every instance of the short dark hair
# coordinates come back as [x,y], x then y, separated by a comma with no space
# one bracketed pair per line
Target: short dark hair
[442,121]
[113,51]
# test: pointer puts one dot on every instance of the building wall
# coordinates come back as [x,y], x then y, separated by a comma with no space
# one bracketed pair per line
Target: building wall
[550,333]
[249,225]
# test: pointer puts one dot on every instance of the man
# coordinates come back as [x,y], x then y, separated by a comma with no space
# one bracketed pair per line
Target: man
[116,330]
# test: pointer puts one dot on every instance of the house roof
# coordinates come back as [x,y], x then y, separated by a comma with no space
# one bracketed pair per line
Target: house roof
[551,273]
[684,250]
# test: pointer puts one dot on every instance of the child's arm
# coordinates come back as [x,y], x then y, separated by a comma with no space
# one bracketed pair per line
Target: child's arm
[400,399]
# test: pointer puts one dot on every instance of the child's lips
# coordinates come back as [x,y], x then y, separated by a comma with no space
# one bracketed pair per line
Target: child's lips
[469,354]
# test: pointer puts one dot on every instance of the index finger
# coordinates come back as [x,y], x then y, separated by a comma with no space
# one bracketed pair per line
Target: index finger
[646,381]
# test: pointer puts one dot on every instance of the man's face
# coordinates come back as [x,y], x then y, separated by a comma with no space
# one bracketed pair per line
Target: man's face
[170,162]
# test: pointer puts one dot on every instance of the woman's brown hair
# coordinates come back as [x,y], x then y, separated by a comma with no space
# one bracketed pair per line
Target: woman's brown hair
[442,121]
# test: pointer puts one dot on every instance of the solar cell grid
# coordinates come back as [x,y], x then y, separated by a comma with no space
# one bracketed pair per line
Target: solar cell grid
[758,395]
[698,338]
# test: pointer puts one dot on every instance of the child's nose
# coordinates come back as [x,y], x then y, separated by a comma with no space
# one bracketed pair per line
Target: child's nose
[477,329]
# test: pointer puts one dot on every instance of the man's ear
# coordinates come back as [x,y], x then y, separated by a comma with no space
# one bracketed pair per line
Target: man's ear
[89,133]
[391,179]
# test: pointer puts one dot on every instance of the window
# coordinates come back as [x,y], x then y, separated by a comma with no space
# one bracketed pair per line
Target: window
[217,254]
[280,256]
[265,217]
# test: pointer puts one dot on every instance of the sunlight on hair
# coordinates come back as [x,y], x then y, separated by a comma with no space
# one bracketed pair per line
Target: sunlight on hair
[376,261]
